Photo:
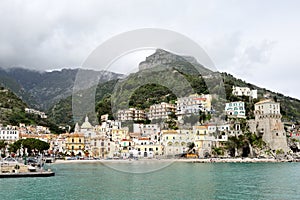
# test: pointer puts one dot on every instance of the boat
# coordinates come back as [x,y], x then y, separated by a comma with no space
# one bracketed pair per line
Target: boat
[11,168]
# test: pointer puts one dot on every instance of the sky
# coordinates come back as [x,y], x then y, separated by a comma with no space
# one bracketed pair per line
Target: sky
[257,41]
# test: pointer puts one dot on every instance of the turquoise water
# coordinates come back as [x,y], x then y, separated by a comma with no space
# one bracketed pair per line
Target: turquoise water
[177,181]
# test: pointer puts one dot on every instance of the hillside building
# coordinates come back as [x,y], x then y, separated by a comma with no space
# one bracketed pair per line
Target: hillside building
[9,133]
[131,114]
[193,104]
[161,111]
[268,124]
[235,109]
[244,91]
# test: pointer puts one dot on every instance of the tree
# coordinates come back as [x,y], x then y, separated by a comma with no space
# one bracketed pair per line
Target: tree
[217,151]
[191,146]
[3,145]
[32,145]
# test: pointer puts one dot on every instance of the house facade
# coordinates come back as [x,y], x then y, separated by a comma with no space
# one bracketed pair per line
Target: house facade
[235,109]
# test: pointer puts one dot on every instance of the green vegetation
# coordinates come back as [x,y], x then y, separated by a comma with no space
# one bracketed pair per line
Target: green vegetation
[160,84]
[150,94]
[279,152]
[33,146]
[3,145]
[241,145]
[191,146]
[217,151]
[104,107]
[12,111]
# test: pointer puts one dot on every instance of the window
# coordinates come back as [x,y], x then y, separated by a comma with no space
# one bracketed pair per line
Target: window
[79,140]
[79,147]
[72,140]
[72,147]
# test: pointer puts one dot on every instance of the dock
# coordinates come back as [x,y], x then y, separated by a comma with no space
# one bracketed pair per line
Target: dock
[27,174]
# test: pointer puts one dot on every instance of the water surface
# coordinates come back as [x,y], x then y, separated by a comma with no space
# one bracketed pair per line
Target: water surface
[177,181]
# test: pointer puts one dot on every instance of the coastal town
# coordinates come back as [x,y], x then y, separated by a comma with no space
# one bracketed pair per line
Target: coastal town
[186,129]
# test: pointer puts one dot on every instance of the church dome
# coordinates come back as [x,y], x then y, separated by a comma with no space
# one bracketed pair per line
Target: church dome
[86,124]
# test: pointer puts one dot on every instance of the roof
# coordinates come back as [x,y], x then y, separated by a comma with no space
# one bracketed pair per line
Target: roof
[144,138]
[200,98]
[169,132]
[265,101]
[201,127]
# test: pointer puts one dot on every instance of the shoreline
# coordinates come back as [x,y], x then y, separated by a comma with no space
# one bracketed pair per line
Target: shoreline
[201,160]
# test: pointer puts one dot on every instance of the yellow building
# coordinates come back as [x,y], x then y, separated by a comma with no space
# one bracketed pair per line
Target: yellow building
[102,147]
[75,144]
[119,134]
[175,142]
[203,141]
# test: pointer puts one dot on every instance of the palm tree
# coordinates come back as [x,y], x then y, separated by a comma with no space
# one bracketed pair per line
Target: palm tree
[191,147]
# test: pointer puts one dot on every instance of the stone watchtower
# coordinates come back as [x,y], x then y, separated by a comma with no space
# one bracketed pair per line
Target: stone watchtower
[268,124]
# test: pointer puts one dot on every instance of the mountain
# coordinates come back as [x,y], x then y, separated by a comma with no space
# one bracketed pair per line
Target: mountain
[12,112]
[10,105]
[185,64]
[148,89]
[41,90]
[61,112]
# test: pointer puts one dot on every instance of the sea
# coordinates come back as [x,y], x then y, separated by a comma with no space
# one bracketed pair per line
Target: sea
[177,180]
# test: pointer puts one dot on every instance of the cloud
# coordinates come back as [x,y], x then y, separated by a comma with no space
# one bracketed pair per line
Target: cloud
[259,54]
[242,37]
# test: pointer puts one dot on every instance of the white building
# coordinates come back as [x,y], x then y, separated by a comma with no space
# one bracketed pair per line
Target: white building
[145,147]
[59,144]
[9,133]
[146,129]
[235,109]
[161,111]
[36,112]
[212,128]
[267,107]
[193,104]
[244,91]
[131,114]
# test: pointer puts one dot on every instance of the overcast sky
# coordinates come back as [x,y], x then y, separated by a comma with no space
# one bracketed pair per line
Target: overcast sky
[257,41]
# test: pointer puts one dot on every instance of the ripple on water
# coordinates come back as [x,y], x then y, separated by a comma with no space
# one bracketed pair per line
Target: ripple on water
[177,181]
